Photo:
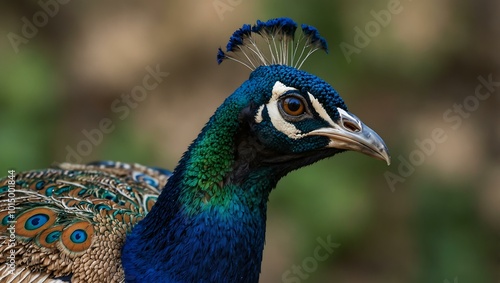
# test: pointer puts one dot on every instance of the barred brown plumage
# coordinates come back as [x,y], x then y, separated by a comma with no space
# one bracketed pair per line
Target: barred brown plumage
[74,218]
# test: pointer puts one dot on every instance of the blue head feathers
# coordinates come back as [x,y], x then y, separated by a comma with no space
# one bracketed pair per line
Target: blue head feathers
[277,36]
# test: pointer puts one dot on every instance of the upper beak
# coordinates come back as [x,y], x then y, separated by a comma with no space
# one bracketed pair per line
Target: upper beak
[351,134]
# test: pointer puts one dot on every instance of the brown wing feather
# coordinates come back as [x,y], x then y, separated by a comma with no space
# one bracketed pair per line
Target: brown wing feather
[72,220]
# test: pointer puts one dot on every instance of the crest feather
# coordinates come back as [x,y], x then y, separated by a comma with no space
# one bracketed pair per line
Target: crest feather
[275,44]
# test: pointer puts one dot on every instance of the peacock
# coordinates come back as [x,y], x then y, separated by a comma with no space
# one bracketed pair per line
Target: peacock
[205,221]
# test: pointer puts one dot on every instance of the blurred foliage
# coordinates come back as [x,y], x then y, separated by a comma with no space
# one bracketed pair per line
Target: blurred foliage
[441,223]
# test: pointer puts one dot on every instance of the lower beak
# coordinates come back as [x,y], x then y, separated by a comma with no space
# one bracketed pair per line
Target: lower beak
[350,133]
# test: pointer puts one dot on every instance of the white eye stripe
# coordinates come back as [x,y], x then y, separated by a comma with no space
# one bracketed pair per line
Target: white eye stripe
[258,116]
[320,110]
[279,89]
[280,123]
[277,120]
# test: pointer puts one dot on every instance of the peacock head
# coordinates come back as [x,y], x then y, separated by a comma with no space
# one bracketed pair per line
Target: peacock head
[293,115]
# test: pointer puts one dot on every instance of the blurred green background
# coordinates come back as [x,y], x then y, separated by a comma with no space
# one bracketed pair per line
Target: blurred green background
[405,76]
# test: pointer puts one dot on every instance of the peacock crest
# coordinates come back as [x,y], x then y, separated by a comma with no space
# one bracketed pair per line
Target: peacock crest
[272,42]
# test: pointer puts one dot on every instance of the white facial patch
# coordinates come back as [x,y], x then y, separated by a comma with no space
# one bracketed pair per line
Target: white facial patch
[321,110]
[258,116]
[277,120]
[324,115]
[279,89]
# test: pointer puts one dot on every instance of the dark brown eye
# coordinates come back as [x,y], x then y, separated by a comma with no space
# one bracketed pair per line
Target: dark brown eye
[293,106]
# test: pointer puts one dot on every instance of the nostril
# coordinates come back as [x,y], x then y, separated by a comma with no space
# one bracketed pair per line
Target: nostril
[351,126]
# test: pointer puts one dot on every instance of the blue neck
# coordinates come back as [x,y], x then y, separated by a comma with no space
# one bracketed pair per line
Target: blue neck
[222,243]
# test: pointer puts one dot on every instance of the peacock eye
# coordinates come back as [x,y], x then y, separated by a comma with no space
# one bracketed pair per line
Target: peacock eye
[293,106]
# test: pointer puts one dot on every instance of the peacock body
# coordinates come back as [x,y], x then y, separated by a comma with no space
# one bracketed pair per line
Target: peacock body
[205,222]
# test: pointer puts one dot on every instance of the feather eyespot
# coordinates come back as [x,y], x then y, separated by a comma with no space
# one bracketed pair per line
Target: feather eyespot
[78,236]
[32,222]
[36,221]
[293,105]
[141,177]
[149,201]
[49,237]
[53,236]
[5,218]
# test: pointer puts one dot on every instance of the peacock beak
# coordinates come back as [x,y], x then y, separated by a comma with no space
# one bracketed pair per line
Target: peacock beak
[350,133]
